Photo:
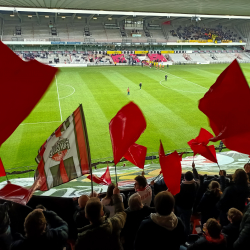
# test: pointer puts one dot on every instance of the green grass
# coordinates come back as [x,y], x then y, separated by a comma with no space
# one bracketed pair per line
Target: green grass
[171,109]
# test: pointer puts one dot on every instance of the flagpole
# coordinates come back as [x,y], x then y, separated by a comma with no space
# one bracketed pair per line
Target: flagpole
[115,175]
[218,165]
[89,156]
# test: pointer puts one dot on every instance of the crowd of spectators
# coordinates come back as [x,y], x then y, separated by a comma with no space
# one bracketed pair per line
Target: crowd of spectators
[193,32]
[148,218]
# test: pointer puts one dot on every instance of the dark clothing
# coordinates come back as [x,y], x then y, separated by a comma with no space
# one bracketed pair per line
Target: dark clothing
[224,182]
[207,206]
[133,222]
[81,220]
[243,241]
[54,238]
[186,197]
[166,77]
[203,244]
[233,196]
[152,236]
[232,231]
[106,233]
[140,85]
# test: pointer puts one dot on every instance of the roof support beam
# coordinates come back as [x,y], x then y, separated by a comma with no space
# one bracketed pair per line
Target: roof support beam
[55,17]
[73,17]
[88,19]
[19,16]
[38,18]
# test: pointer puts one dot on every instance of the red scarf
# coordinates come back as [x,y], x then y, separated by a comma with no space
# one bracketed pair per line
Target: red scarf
[212,240]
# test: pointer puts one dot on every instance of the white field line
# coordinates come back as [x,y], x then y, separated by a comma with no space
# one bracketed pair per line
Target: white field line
[58,99]
[38,122]
[67,95]
[184,80]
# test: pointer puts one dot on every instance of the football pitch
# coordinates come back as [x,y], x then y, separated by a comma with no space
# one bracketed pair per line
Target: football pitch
[170,107]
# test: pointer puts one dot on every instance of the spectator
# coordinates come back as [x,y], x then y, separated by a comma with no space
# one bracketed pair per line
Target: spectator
[232,229]
[136,213]
[222,179]
[243,241]
[186,197]
[38,236]
[163,228]
[5,230]
[79,216]
[102,233]
[107,201]
[247,169]
[234,196]
[213,238]
[207,205]
[142,187]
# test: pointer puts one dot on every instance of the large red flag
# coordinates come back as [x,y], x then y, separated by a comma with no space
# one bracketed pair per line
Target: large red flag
[226,104]
[105,179]
[171,170]
[2,170]
[125,129]
[23,85]
[199,145]
[136,154]
[18,194]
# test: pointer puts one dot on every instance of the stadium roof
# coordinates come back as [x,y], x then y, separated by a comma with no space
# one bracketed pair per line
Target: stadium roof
[211,7]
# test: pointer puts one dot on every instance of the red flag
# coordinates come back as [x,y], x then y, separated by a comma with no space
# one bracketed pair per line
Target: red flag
[105,179]
[106,176]
[167,23]
[199,145]
[125,129]
[136,154]
[226,105]
[24,84]
[2,170]
[18,194]
[171,170]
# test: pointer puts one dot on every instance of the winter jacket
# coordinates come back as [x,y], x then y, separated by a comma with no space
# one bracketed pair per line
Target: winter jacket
[207,205]
[104,235]
[54,238]
[80,219]
[243,241]
[4,217]
[133,221]
[160,232]
[232,231]
[204,244]
[233,196]
[186,197]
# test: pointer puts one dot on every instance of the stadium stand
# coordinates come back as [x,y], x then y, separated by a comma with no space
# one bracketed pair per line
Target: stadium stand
[206,198]
[119,58]
[157,58]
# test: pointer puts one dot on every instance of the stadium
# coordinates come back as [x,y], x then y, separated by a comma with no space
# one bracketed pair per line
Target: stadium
[108,97]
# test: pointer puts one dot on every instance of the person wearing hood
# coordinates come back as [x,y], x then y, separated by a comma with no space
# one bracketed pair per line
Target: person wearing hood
[212,239]
[185,199]
[162,228]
